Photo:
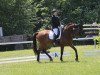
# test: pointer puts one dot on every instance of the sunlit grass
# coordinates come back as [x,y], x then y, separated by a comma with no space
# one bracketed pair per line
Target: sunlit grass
[86,66]
[29,52]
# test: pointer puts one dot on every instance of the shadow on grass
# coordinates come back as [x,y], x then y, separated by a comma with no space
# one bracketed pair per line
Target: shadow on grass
[63,62]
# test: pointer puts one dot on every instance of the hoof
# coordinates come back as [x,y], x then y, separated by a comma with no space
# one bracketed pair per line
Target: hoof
[38,61]
[76,60]
[61,60]
[51,60]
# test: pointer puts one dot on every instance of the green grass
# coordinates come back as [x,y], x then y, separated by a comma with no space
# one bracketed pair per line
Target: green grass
[16,53]
[86,66]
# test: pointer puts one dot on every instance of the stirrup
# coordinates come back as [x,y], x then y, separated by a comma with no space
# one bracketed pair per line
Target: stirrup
[56,42]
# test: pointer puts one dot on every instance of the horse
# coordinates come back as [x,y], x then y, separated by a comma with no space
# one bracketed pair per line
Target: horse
[65,40]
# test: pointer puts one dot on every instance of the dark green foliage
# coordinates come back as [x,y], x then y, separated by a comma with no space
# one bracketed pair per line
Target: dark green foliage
[28,16]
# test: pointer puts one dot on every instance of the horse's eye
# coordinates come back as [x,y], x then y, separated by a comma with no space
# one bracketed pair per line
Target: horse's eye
[73,28]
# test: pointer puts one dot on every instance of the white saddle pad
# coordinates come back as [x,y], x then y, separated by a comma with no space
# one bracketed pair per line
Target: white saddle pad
[51,33]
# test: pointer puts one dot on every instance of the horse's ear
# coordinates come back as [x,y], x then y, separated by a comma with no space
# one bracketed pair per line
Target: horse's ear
[65,27]
[77,25]
[68,24]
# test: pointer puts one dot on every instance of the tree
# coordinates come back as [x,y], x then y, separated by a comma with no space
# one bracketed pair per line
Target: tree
[29,16]
[16,16]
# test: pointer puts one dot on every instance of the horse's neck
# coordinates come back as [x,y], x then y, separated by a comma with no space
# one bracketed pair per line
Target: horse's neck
[71,26]
[67,33]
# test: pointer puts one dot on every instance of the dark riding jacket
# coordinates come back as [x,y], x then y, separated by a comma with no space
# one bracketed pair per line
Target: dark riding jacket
[55,21]
[55,24]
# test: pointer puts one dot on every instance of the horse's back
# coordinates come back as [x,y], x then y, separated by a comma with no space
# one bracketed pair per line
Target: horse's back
[43,38]
[43,33]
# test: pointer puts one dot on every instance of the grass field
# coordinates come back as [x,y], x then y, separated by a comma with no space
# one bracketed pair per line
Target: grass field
[88,65]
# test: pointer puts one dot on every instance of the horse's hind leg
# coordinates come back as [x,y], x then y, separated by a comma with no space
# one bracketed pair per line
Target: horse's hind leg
[48,55]
[75,52]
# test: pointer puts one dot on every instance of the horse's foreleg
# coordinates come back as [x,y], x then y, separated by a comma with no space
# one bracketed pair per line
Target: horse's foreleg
[75,52]
[48,55]
[38,56]
[62,49]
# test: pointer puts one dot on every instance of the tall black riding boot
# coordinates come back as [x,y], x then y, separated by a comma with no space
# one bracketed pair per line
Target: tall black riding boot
[54,40]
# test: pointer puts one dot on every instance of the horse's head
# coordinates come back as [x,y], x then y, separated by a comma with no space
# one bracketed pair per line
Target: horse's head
[72,28]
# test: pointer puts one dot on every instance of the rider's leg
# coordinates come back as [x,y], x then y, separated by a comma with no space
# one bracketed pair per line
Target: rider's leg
[55,37]
[56,34]
[55,30]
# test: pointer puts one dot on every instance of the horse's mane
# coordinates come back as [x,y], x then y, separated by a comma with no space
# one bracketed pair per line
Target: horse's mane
[69,25]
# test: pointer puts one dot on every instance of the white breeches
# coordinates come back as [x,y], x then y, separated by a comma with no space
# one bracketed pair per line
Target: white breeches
[55,30]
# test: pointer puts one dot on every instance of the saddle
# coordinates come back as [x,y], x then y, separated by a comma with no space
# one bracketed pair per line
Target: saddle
[52,34]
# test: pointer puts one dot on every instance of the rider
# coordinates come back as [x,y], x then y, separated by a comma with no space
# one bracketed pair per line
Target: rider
[55,24]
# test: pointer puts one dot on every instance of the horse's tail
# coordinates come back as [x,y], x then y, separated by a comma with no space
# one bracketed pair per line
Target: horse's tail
[35,44]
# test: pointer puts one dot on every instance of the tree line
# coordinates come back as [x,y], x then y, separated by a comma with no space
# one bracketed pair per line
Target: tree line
[29,16]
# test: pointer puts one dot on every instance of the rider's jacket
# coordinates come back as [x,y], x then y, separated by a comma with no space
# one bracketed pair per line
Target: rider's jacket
[55,21]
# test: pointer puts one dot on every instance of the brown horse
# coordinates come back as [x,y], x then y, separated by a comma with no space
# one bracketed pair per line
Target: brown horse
[44,41]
